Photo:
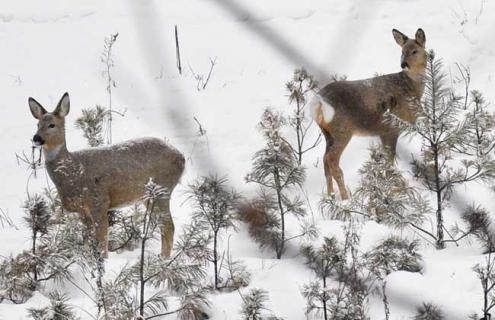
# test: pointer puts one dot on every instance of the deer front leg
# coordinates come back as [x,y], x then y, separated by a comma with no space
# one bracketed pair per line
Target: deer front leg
[389,141]
[99,214]
[167,227]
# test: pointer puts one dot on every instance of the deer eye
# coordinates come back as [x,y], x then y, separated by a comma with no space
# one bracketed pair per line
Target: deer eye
[51,125]
[414,52]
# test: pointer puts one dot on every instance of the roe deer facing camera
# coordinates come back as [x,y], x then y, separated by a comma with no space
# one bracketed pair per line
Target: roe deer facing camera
[346,108]
[93,181]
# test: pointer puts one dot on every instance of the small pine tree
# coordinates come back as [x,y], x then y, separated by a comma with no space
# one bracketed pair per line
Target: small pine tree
[348,299]
[323,262]
[55,249]
[428,311]
[486,274]
[215,207]
[91,123]
[392,254]
[254,306]
[37,219]
[383,195]
[301,84]
[16,284]
[478,221]
[153,193]
[59,309]
[277,172]
[447,131]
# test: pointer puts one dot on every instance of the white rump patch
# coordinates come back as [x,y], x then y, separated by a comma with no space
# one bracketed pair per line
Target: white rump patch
[317,105]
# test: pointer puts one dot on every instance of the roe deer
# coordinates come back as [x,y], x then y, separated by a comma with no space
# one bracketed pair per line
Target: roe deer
[93,181]
[345,108]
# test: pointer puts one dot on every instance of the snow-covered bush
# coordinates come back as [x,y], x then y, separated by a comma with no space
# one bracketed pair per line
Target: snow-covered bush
[394,254]
[277,172]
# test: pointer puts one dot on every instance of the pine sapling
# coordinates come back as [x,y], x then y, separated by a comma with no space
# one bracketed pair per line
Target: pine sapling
[59,309]
[428,311]
[254,306]
[153,193]
[215,207]
[301,84]
[37,219]
[91,122]
[383,195]
[447,131]
[347,300]
[323,262]
[277,172]
[392,254]
[486,274]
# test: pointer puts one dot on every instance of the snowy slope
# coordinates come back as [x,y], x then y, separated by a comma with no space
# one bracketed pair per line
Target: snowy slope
[51,47]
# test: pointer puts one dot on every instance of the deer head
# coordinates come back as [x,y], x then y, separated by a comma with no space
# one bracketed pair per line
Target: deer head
[413,59]
[51,125]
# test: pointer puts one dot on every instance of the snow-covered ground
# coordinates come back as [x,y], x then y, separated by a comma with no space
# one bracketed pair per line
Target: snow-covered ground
[50,47]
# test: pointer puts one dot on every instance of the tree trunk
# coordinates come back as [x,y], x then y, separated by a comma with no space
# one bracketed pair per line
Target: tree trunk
[385,300]
[325,312]
[280,249]
[215,258]
[440,243]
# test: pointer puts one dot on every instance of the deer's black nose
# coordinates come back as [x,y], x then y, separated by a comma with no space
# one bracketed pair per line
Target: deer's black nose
[404,65]
[38,140]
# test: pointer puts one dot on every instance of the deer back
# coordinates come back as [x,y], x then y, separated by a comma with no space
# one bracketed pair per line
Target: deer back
[361,104]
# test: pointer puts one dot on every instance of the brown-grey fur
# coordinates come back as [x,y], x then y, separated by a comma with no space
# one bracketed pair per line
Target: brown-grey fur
[93,181]
[358,106]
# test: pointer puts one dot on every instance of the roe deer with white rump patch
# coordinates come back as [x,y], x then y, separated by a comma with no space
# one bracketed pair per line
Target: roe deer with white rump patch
[346,108]
[93,181]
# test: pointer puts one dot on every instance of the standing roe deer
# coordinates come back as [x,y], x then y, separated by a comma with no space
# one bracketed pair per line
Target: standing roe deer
[345,108]
[92,181]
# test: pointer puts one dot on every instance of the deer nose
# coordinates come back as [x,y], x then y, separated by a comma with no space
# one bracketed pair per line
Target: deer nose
[404,64]
[38,140]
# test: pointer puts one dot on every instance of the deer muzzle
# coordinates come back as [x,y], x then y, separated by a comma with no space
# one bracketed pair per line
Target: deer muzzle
[38,140]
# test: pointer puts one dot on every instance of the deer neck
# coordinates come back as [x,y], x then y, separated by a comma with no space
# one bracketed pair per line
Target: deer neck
[417,76]
[55,153]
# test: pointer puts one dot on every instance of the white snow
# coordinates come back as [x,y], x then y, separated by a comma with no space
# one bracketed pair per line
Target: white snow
[53,46]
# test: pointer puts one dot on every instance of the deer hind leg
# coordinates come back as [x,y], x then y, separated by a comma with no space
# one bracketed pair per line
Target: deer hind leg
[167,227]
[332,158]
[326,167]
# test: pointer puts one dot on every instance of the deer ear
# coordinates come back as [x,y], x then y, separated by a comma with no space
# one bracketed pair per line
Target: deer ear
[63,106]
[420,37]
[399,37]
[36,109]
